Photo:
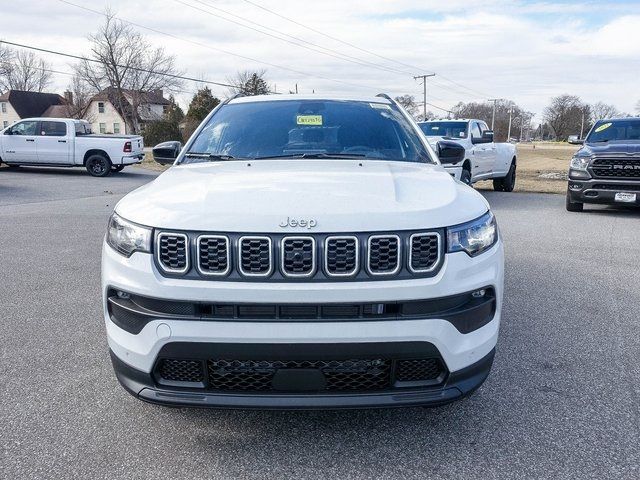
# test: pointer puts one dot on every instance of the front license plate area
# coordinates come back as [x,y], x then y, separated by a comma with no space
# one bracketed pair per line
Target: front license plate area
[625,197]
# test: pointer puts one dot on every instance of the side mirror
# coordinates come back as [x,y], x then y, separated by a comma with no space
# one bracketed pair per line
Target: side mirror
[450,153]
[166,153]
[575,140]
[487,136]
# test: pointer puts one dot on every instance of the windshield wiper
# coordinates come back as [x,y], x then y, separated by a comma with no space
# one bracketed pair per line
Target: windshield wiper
[212,157]
[315,155]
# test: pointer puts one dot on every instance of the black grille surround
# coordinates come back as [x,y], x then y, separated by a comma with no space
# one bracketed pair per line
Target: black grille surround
[214,255]
[298,256]
[173,252]
[616,167]
[309,257]
[424,252]
[341,256]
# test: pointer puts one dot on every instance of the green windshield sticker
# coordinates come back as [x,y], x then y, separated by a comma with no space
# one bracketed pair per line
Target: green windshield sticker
[309,119]
[604,126]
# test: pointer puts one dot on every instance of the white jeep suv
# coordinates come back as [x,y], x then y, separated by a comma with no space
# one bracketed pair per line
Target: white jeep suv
[303,252]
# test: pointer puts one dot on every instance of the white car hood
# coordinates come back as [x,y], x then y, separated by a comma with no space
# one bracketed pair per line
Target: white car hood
[339,195]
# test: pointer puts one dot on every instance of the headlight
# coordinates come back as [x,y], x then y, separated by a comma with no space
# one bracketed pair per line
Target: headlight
[580,163]
[126,237]
[473,237]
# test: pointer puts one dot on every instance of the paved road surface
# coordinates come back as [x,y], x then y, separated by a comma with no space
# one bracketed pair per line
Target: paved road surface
[562,400]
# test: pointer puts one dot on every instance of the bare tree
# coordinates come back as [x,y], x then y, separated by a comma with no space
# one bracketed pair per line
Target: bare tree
[23,71]
[123,62]
[249,83]
[78,96]
[6,60]
[408,102]
[567,115]
[505,109]
[600,110]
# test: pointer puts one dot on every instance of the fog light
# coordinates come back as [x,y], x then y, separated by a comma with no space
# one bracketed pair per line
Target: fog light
[123,295]
[478,293]
[575,186]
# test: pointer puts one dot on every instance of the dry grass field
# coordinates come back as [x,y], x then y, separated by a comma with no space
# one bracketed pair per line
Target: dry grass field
[542,167]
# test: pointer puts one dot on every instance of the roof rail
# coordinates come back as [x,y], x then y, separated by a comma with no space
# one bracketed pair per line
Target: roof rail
[384,95]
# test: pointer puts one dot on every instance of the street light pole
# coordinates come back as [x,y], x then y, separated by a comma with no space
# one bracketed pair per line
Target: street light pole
[509,130]
[493,116]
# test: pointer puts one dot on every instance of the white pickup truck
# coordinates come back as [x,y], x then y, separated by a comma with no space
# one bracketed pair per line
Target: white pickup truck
[64,142]
[484,158]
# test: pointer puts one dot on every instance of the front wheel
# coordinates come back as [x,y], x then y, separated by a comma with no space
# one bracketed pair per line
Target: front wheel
[465,177]
[98,165]
[573,206]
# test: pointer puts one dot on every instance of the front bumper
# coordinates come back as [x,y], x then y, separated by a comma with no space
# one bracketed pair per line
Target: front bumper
[603,191]
[136,355]
[456,386]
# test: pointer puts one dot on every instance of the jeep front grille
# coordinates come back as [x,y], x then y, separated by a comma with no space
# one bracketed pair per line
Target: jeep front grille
[341,256]
[424,252]
[298,256]
[173,252]
[384,254]
[312,257]
[256,256]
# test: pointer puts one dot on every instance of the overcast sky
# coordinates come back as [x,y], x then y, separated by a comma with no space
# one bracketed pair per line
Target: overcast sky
[526,51]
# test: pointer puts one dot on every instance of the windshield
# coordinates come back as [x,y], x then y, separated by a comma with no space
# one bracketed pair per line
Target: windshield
[614,130]
[308,129]
[445,129]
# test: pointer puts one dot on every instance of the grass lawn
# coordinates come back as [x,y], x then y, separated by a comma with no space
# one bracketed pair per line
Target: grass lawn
[551,160]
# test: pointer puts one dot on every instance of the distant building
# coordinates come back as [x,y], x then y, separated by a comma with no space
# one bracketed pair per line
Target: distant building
[105,117]
[17,104]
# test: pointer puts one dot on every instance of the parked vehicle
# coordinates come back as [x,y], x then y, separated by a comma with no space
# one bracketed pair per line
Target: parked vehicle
[303,252]
[484,158]
[63,142]
[606,169]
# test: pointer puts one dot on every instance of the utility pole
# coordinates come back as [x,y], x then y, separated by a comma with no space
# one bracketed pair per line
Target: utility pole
[509,130]
[424,85]
[493,117]
[582,123]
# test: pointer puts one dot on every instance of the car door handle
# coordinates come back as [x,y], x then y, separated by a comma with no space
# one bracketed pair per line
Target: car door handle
[30,140]
[62,141]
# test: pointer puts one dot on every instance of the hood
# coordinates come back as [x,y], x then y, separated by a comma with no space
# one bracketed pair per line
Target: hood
[630,147]
[338,195]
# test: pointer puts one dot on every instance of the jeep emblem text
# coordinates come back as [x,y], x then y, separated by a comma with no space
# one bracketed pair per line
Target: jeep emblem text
[298,222]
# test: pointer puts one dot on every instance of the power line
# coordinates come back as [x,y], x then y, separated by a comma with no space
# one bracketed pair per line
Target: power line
[412,67]
[93,60]
[297,41]
[193,42]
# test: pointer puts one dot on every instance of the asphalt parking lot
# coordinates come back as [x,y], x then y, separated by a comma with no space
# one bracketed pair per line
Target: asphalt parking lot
[563,399]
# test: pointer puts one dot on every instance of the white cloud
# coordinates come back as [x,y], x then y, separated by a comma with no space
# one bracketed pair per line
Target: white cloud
[525,51]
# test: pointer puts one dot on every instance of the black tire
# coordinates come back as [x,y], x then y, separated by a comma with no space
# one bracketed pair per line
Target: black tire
[98,165]
[573,206]
[465,177]
[117,168]
[508,182]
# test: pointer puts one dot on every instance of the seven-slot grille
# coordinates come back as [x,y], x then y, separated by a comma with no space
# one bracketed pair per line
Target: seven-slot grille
[298,256]
[424,252]
[256,257]
[341,256]
[213,255]
[616,167]
[310,257]
[384,254]
[173,252]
